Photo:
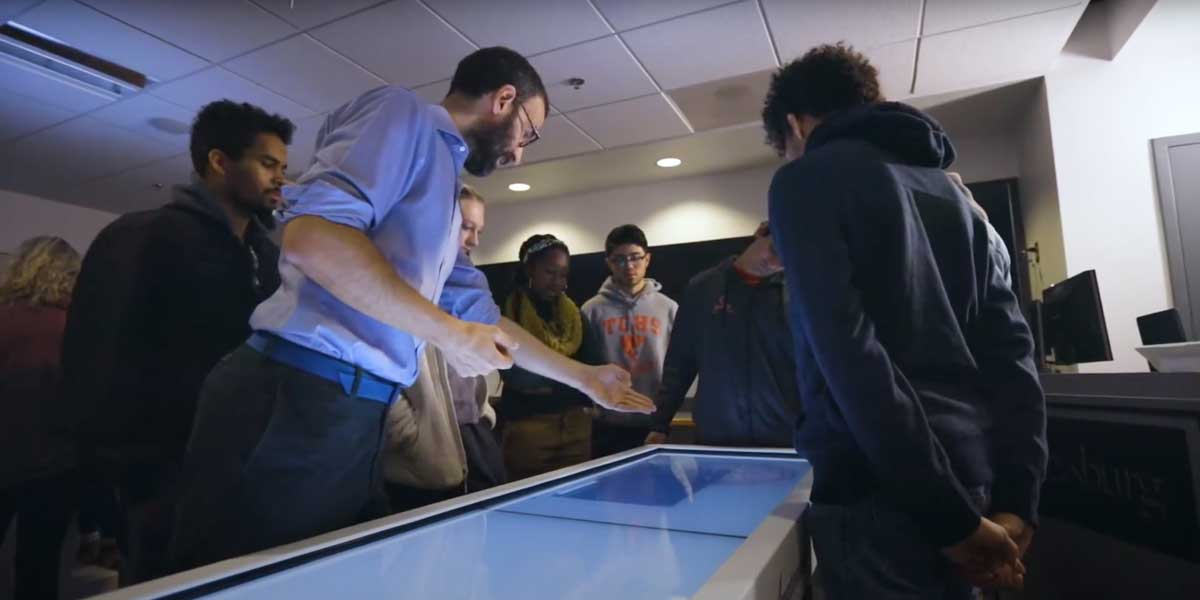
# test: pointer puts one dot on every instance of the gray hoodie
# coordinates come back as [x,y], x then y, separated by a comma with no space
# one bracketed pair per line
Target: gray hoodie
[632,332]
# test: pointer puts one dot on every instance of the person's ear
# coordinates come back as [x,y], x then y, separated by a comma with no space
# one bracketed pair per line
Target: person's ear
[502,99]
[218,162]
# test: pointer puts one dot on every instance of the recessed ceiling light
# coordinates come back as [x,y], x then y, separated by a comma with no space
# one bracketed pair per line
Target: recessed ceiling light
[519,187]
[667,163]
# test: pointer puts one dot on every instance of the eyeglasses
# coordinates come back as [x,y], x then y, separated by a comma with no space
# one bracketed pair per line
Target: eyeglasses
[531,135]
[631,259]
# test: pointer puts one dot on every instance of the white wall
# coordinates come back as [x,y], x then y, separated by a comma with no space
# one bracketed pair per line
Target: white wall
[680,210]
[23,216]
[985,157]
[689,209]
[1102,118]
[1038,190]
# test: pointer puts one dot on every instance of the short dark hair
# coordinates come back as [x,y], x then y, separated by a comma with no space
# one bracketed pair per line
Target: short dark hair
[231,127]
[488,69]
[625,234]
[827,79]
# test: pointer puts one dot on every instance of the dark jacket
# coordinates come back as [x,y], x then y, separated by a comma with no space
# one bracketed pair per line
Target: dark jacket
[162,295]
[30,343]
[735,337]
[916,366]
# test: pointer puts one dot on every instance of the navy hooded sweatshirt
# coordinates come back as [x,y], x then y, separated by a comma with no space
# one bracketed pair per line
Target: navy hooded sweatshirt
[914,361]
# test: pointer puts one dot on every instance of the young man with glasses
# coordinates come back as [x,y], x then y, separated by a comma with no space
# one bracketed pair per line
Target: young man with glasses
[287,433]
[628,322]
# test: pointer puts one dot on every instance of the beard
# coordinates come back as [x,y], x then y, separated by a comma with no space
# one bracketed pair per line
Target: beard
[259,208]
[489,147]
[266,216]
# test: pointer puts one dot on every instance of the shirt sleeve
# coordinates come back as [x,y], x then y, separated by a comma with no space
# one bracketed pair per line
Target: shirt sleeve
[1003,348]
[879,405]
[591,351]
[365,160]
[466,294]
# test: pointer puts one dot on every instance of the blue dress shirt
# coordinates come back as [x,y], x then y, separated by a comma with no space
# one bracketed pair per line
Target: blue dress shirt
[386,164]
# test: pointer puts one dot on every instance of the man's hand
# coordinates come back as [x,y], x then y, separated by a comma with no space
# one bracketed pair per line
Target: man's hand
[1013,576]
[988,558]
[610,387]
[1017,529]
[475,349]
[655,437]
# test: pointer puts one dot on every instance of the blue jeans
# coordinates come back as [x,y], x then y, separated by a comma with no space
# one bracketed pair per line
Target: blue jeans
[872,550]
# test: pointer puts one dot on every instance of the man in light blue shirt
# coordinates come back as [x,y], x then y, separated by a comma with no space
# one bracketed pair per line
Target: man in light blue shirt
[288,426]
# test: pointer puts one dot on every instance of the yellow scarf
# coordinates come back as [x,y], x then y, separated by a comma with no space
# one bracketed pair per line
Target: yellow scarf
[563,334]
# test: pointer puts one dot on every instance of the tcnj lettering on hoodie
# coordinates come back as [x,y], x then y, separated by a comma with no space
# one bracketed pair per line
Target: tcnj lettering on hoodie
[633,331]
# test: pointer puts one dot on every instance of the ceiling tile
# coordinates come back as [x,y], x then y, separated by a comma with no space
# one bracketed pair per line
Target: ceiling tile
[302,69]
[725,149]
[559,138]
[28,176]
[895,65]
[949,15]
[18,77]
[631,121]
[724,102]
[108,38]
[20,114]
[385,39]
[150,116]
[714,44]
[310,14]
[527,26]
[82,149]
[627,14]
[433,93]
[214,29]
[607,68]
[1004,51]
[142,188]
[798,25]
[304,142]
[215,83]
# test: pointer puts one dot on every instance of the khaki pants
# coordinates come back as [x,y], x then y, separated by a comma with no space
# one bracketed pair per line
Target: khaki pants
[540,443]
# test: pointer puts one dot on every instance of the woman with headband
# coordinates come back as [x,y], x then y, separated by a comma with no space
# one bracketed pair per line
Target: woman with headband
[547,424]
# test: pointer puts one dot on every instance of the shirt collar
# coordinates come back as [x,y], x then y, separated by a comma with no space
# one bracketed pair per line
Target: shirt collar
[450,134]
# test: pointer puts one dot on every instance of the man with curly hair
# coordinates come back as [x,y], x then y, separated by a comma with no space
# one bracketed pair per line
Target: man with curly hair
[163,294]
[923,415]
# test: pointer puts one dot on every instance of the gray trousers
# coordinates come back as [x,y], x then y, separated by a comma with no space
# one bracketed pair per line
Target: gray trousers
[276,455]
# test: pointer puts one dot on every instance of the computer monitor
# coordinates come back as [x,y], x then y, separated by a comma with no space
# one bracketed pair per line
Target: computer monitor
[1163,327]
[1073,322]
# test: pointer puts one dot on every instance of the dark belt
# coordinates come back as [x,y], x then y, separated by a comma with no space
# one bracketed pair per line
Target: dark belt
[354,381]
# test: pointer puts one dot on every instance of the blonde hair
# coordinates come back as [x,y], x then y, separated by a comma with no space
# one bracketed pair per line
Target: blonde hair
[468,192]
[42,273]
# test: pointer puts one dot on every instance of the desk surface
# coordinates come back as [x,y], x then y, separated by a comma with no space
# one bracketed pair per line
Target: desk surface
[657,525]
[1177,392]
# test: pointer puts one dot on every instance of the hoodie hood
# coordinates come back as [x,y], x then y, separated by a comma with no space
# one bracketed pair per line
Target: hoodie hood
[195,198]
[612,292]
[911,136]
